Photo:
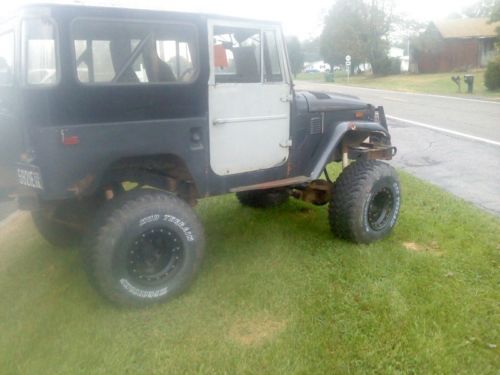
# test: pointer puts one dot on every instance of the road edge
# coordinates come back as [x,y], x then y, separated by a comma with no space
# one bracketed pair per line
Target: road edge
[480,99]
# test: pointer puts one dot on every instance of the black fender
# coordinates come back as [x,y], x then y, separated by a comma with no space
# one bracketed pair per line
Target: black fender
[335,135]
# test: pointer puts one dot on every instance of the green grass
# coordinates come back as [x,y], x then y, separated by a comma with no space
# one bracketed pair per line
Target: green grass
[439,83]
[277,294]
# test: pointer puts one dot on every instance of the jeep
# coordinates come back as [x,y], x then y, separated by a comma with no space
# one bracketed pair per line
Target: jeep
[114,122]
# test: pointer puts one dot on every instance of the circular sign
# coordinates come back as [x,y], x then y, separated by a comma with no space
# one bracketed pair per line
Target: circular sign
[348,58]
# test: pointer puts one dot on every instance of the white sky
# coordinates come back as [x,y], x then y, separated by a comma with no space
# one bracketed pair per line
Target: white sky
[301,18]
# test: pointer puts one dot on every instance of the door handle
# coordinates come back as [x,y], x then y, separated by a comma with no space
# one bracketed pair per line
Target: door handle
[286,99]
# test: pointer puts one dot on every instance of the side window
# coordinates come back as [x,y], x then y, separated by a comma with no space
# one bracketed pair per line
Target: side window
[115,52]
[237,55]
[6,58]
[177,55]
[39,51]
[272,66]
[101,67]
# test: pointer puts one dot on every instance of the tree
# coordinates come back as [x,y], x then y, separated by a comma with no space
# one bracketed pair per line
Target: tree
[380,21]
[481,8]
[295,54]
[495,17]
[359,29]
[311,50]
[343,33]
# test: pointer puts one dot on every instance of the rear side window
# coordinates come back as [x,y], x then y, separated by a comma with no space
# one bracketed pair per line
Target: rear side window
[6,58]
[134,53]
[39,39]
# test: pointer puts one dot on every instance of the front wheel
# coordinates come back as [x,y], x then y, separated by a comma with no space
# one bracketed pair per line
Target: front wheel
[147,246]
[366,202]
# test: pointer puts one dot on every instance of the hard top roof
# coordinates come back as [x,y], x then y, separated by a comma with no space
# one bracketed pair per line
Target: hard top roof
[139,11]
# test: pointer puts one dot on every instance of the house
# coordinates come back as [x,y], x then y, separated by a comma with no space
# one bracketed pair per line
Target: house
[456,44]
[399,53]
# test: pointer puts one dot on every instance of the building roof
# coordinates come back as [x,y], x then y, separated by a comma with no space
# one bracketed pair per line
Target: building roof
[467,28]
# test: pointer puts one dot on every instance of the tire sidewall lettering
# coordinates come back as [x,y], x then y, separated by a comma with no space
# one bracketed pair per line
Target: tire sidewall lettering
[168,218]
[186,230]
[149,219]
[151,294]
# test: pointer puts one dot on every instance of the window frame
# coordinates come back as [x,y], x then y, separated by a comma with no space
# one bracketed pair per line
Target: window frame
[261,59]
[24,52]
[262,27]
[265,44]
[196,45]
[11,30]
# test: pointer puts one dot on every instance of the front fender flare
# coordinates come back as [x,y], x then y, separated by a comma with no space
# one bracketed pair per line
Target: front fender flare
[335,137]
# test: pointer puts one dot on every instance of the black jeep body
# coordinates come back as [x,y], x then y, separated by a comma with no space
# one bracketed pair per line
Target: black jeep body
[93,98]
[109,126]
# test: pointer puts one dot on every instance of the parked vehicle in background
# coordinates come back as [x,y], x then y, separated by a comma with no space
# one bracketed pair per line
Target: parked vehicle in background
[317,67]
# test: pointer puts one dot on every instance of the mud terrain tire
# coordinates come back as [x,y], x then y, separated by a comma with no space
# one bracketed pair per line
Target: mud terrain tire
[145,247]
[366,202]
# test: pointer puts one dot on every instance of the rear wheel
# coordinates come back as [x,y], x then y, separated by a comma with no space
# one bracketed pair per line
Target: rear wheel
[366,202]
[147,247]
[263,198]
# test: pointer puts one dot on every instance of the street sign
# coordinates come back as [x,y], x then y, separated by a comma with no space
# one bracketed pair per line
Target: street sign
[347,63]
[348,59]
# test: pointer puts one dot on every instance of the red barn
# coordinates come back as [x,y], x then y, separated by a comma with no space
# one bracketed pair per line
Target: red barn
[457,44]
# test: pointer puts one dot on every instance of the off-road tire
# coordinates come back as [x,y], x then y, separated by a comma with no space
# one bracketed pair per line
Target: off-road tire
[366,202]
[144,247]
[263,198]
[56,224]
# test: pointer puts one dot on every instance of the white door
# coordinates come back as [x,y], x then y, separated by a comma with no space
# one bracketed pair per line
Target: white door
[249,97]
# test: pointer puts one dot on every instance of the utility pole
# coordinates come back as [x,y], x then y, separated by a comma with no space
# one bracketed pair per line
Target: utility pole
[409,54]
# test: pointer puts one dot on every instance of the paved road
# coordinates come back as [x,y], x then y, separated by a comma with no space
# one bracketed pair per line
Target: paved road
[452,158]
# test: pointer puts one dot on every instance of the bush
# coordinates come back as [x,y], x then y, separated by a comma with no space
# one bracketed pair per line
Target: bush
[386,66]
[492,75]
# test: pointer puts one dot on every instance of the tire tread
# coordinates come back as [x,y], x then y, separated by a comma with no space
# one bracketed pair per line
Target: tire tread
[350,187]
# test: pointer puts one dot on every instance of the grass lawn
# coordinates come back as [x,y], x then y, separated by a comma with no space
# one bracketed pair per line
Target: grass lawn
[277,295]
[439,83]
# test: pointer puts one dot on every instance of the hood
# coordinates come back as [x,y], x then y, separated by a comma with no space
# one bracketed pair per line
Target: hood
[327,102]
